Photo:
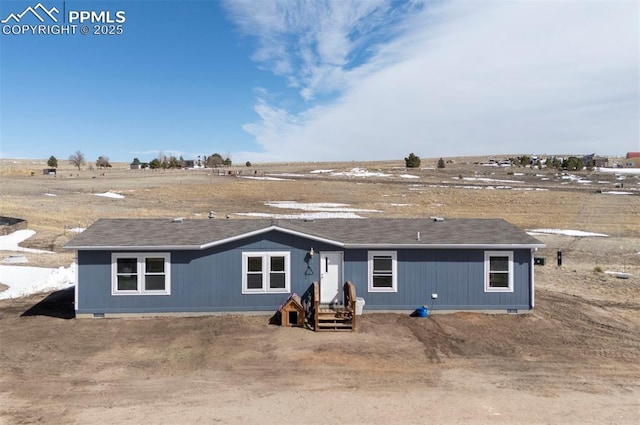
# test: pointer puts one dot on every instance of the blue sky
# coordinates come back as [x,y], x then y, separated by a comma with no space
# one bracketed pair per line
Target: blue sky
[277,80]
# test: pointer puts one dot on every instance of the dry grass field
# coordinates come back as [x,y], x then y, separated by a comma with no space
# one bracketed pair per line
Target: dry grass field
[574,359]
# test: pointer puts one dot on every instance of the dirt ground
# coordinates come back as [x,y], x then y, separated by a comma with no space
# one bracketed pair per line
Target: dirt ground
[574,359]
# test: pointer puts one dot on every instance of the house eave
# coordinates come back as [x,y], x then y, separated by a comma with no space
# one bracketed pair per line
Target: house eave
[269,229]
[444,246]
[339,244]
[133,247]
[208,244]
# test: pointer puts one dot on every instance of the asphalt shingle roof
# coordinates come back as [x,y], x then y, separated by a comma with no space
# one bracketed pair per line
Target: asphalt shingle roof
[200,233]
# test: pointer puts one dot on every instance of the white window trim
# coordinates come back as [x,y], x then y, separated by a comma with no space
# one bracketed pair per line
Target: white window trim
[266,255]
[140,257]
[394,270]
[487,256]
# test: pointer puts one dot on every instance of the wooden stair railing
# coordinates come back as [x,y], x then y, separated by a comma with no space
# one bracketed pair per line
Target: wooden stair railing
[350,301]
[330,318]
[316,305]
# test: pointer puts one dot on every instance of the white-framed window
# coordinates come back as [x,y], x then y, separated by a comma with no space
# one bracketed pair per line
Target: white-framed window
[383,271]
[140,273]
[266,272]
[498,271]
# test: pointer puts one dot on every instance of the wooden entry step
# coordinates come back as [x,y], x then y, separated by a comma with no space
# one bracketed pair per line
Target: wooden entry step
[334,320]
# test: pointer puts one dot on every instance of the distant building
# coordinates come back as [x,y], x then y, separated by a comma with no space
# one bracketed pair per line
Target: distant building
[600,161]
[632,155]
[633,162]
[595,161]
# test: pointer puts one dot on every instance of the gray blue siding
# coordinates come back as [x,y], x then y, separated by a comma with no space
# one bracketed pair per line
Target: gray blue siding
[456,275]
[211,280]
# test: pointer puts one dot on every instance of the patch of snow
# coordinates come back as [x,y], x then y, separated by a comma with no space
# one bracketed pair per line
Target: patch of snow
[630,171]
[518,174]
[310,216]
[11,242]
[110,195]
[286,174]
[15,259]
[50,194]
[621,275]
[315,206]
[617,192]
[264,178]
[400,205]
[321,171]
[23,280]
[77,229]
[486,179]
[409,176]
[361,172]
[578,233]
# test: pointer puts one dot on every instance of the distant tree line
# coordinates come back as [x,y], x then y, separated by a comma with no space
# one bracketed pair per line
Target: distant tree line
[78,159]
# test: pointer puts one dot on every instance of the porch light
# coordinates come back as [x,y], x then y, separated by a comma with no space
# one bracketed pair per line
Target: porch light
[311,252]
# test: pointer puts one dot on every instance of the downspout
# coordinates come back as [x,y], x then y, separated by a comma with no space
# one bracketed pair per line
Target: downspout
[533,280]
[75,288]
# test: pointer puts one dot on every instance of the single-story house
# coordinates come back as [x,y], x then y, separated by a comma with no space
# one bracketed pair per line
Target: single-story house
[632,163]
[179,266]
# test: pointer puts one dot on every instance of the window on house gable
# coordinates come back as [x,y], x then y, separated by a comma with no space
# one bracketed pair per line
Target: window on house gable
[383,276]
[265,272]
[140,274]
[498,271]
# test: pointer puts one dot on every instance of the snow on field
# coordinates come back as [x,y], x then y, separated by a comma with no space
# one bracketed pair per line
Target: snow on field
[487,179]
[316,206]
[11,242]
[314,210]
[23,280]
[361,172]
[50,194]
[304,216]
[617,192]
[574,178]
[264,178]
[321,171]
[110,195]
[409,176]
[630,171]
[578,233]
[77,229]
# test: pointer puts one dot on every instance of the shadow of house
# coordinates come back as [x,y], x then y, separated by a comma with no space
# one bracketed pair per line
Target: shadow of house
[57,304]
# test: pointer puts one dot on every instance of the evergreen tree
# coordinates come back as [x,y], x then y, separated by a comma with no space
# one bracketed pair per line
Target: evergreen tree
[412,161]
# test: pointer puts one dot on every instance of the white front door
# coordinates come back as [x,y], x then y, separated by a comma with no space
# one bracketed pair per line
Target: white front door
[330,277]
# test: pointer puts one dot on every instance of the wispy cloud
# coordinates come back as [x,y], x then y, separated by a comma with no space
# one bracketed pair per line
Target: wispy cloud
[312,43]
[449,78]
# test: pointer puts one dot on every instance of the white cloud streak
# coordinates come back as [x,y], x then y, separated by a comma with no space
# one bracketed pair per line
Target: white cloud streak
[450,78]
